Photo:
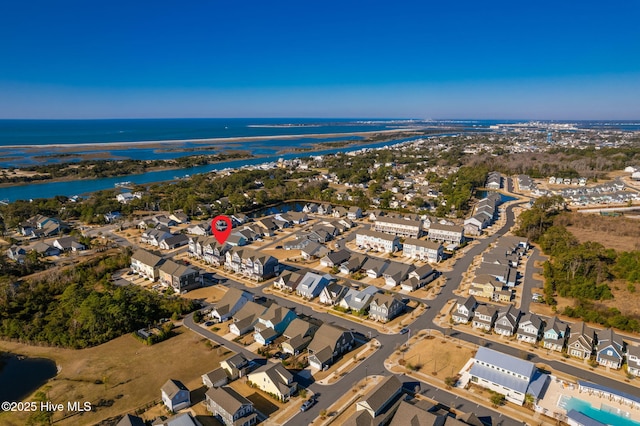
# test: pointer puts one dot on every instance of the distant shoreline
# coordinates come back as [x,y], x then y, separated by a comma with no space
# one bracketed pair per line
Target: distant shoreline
[97,146]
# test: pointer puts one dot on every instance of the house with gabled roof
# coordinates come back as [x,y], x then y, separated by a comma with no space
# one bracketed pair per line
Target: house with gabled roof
[175,395]
[215,378]
[484,285]
[374,267]
[229,407]
[313,250]
[299,334]
[419,278]
[275,380]
[335,258]
[146,264]
[582,341]
[507,321]
[325,209]
[288,281]
[232,301]
[174,241]
[354,213]
[235,366]
[332,294]
[357,300]
[380,397]
[354,264]
[131,420]
[424,250]
[464,311]
[417,415]
[385,307]
[396,272]
[251,263]
[44,249]
[268,225]
[555,334]
[272,323]
[378,241]
[329,343]
[484,317]
[179,277]
[16,253]
[530,328]
[68,244]
[312,284]
[610,350]
[633,360]
[339,211]
[246,318]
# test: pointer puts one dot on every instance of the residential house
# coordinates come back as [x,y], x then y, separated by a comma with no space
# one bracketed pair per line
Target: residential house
[494,180]
[272,323]
[414,415]
[175,395]
[329,342]
[44,249]
[377,241]
[633,360]
[354,264]
[215,378]
[610,350]
[68,244]
[374,267]
[246,318]
[506,274]
[232,301]
[299,334]
[310,208]
[465,310]
[179,277]
[354,213]
[229,407]
[268,226]
[275,380]
[398,226]
[510,376]
[182,419]
[16,253]
[202,229]
[339,212]
[154,236]
[531,328]
[288,281]
[357,300]
[236,239]
[174,241]
[396,272]
[555,334]
[381,397]
[146,264]
[325,209]
[312,284]
[235,366]
[484,286]
[40,226]
[446,233]
[419,278]
[336,258]
[313,250]
[130,420]
[179,217]
[332,294]
[385,307]
[429,251]
[251,263]
[484,317]
[582,340]
[507,321]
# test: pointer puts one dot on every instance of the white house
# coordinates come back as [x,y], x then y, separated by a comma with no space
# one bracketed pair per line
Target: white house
[378,241]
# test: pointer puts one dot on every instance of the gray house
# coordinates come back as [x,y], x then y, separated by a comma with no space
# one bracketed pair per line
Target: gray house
[507,322]
[385,307]
[231,302]
[464,311]
[312,284]
[555,334]
[530,328]
[175,395]
[329,343]
[229,407]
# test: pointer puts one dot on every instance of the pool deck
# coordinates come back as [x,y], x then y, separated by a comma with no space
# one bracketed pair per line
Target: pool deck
[558,388]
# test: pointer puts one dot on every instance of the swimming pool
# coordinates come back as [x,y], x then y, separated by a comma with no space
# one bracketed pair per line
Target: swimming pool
[605,415]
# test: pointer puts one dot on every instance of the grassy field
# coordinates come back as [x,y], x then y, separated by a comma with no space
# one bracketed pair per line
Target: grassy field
[619,233]
[121,375]
[436,356]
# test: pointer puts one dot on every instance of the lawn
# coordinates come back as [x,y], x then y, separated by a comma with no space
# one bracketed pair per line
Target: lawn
[121,375]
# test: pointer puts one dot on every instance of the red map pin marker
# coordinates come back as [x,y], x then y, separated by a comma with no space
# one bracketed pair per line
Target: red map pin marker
[221,228]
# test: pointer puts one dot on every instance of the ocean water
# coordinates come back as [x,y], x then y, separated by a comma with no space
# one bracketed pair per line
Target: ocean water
[45,132]
[606,417]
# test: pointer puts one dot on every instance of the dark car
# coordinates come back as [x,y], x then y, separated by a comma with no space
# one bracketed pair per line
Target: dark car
[404,330]
[307,404]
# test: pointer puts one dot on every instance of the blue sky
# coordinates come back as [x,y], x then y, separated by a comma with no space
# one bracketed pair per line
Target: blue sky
[215,58]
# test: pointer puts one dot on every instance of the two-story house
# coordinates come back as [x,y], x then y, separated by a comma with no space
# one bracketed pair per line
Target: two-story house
[555,334]
[252,264]
[272,323]
[484,317]
[175,395]
[275,380]
[312,284]
[610,350]
[465,310]
[229,407]
[179,277]
[428,251]
[328,344]
[419,278]
[507,321]
[531,328]
[633,360]
[246,318]
[146,264]
[385,307]
[582,341]
[230,303]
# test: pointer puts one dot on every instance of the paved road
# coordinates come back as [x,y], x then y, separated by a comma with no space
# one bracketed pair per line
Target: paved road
[529,282]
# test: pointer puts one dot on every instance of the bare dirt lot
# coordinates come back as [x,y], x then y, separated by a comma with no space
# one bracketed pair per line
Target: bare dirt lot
[121,375]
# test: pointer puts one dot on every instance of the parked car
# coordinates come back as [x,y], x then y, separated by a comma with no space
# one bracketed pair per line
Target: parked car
[307,404]
[404,330]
